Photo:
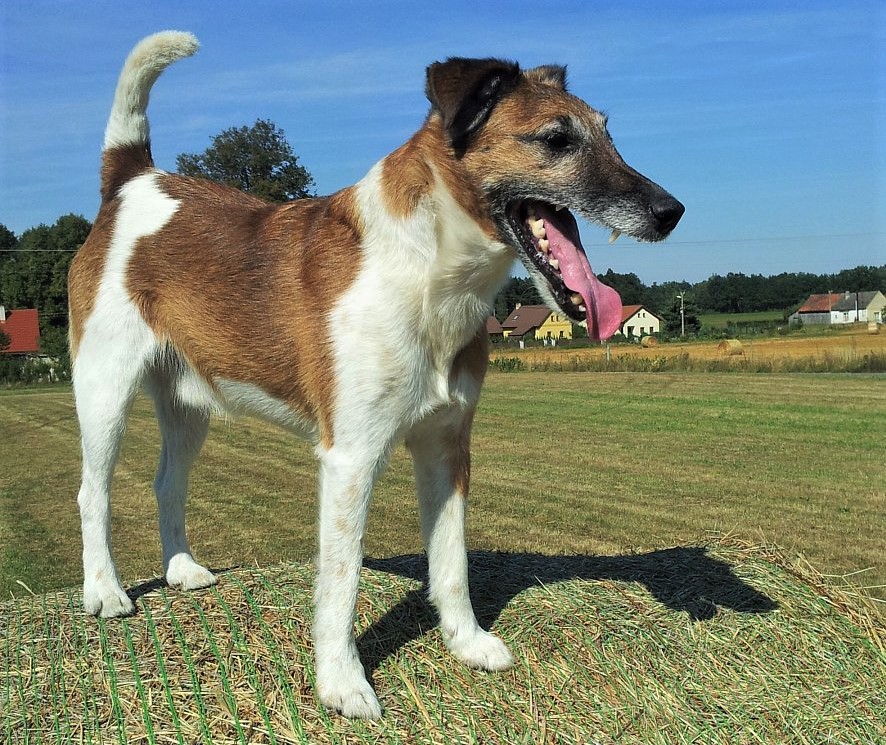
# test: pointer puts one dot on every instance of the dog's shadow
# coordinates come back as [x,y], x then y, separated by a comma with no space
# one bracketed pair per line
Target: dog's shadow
[682,579]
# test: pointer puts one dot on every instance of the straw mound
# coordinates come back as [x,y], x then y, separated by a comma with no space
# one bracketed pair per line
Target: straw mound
[718,644]
[731,347]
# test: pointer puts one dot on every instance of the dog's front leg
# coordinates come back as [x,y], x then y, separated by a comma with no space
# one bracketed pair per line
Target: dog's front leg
[440,449]
[346,481]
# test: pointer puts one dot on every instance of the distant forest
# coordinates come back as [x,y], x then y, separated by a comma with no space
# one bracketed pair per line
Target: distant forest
[34,270]
[734,293]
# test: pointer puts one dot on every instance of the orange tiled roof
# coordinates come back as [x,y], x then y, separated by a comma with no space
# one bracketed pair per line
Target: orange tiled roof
[23,329]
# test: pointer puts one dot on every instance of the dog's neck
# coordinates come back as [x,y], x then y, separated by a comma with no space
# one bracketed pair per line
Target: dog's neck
[447,244]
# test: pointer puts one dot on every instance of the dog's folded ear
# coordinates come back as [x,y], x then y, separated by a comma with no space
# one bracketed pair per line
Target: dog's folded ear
[465,91]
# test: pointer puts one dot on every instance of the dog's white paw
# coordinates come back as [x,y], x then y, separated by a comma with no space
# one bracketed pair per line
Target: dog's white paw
[183,573]
[481,649]
[106,598]
[350,694]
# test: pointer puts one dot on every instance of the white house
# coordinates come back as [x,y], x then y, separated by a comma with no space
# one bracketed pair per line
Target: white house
[842,307]
[638,321]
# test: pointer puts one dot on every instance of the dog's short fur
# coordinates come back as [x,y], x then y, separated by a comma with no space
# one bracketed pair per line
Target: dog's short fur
[356,320]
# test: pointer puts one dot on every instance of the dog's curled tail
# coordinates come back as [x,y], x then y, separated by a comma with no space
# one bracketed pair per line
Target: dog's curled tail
[127,146]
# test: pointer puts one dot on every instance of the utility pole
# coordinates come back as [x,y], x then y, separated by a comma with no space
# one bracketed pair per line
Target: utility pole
[682,315]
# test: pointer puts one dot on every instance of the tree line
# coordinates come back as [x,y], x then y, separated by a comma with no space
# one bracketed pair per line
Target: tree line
[34,270]
[259,160]
[732,293]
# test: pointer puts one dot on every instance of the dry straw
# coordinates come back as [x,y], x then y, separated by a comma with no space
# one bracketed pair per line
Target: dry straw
[723,643]
[730,347]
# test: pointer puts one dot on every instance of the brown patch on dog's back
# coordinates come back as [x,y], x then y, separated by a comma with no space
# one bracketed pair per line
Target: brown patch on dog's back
[243,289]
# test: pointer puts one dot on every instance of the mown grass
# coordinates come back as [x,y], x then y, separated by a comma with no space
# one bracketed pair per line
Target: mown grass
[567,463]
[579,481]
[723,643]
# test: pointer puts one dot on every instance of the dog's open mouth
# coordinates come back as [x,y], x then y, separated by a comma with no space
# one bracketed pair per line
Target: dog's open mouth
[550,241]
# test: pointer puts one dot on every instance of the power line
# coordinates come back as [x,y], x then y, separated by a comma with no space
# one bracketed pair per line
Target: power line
[703,242]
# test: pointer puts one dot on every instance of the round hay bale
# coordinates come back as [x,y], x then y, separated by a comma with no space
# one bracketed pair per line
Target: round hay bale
[730,347]
[873,327]
[649,341]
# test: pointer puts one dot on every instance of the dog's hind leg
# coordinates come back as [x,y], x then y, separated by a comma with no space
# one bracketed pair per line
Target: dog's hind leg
[183,429]
[106,378]
[440,449]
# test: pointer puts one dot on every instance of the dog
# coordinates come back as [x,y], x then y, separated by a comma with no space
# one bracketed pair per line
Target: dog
[215,301]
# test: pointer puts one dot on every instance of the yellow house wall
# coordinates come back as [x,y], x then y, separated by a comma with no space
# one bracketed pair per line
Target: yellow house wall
[554,326]
[876,307]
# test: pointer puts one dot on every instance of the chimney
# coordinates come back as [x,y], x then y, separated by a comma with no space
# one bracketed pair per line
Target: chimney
[2,314]
[517,306]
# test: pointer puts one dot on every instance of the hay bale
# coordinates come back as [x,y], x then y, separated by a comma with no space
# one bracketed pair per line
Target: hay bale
[649,341]
[730,347]
[233,664]
[873,327]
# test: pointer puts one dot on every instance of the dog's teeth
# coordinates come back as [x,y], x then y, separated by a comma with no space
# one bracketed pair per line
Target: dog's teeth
[559,207]
[576,299]
[613,237]
[582,309]
[538,228]
[554,263]
[544,244]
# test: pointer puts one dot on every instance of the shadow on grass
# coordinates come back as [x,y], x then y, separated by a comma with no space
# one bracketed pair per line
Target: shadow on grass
[682,579]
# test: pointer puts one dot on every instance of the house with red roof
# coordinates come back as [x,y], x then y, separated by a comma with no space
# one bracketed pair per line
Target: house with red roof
[22,327]
[842,307]
[638,321]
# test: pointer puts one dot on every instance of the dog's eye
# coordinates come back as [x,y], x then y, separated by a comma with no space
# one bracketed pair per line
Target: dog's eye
[558,142]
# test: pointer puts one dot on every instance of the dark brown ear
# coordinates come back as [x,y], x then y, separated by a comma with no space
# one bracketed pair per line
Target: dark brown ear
[465,91]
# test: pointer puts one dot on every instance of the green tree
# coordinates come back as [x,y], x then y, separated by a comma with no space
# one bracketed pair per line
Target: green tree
[518,290]
[37,277]
[257,159]
[629,287]
[672,316]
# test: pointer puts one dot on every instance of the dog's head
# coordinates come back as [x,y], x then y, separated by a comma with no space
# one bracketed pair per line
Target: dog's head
[536,152]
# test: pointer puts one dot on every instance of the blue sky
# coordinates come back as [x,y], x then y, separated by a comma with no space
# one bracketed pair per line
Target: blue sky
[767,119]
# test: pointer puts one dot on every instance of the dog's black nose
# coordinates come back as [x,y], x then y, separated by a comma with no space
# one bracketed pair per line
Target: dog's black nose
[668,212]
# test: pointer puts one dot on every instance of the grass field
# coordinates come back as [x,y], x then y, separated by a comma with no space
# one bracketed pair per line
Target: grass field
[566,463]
[722,320]
[598,488]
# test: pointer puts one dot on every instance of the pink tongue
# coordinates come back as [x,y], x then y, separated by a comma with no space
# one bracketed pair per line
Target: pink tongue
[603,303]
